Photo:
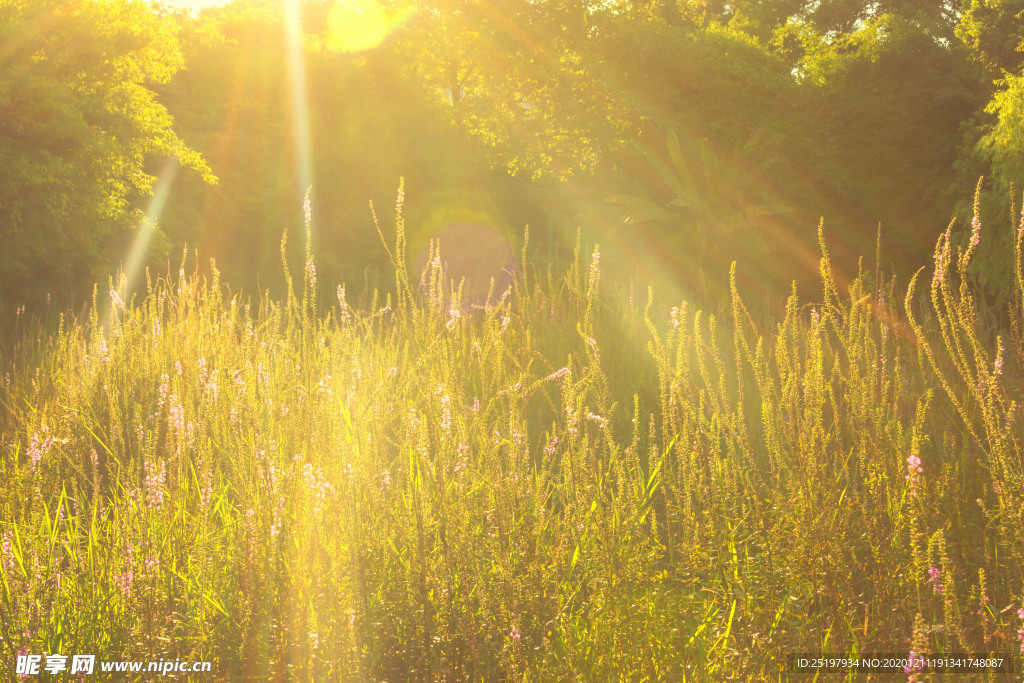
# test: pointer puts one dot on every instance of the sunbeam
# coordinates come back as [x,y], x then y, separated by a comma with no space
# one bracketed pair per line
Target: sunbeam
[295,59]
[140,247]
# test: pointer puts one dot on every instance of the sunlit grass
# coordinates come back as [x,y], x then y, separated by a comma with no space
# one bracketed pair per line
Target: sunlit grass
[566,484]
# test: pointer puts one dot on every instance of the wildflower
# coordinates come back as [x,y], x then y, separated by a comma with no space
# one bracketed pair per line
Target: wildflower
[345,313]
[454,315]
[21,653]
[318,486]
[446,413]
[311,272]
[517,436]
[913,470]
[7,560]
[124,582]
[934,578]
[984,603]
[155,480]
[558,374]
[595,273]
[164,389]
[37,450]
[998,369]
[914,466]
[1020,631]
[177,416]
[115,297]
[102,351]
[914,665]
[515,634]
[975,231]
[941,257]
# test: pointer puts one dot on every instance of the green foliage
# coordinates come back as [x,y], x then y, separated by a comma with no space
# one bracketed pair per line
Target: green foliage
[712,195]
[1003,143]
[562,485]
[527,82]
[993,144]
[992,30]
[715,201]
[552,94]
[80,125]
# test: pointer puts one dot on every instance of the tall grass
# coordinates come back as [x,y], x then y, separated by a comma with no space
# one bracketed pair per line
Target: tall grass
[568,484]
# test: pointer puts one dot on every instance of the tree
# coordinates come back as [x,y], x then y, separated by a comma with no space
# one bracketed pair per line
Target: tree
[994,31]
[523,78]
[80,127]
[1003,143]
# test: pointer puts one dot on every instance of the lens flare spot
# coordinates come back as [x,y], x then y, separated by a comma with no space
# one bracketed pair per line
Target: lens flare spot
[356,25]
[475,255]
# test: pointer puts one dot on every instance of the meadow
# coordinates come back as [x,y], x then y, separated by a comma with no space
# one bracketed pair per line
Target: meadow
[578,482]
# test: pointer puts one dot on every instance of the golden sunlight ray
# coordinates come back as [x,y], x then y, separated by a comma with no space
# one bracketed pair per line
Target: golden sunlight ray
[295,59]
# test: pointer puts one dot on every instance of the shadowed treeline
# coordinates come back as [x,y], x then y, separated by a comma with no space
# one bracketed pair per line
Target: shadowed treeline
[687,135]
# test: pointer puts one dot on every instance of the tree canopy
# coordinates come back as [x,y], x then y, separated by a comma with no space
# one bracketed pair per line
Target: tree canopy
[79,130]
[869,113]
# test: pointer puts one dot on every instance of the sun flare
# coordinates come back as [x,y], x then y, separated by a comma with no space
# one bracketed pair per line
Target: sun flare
[358,25]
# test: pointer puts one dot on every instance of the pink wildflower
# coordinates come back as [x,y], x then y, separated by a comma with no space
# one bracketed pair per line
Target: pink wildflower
[914,469]
[915,664]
